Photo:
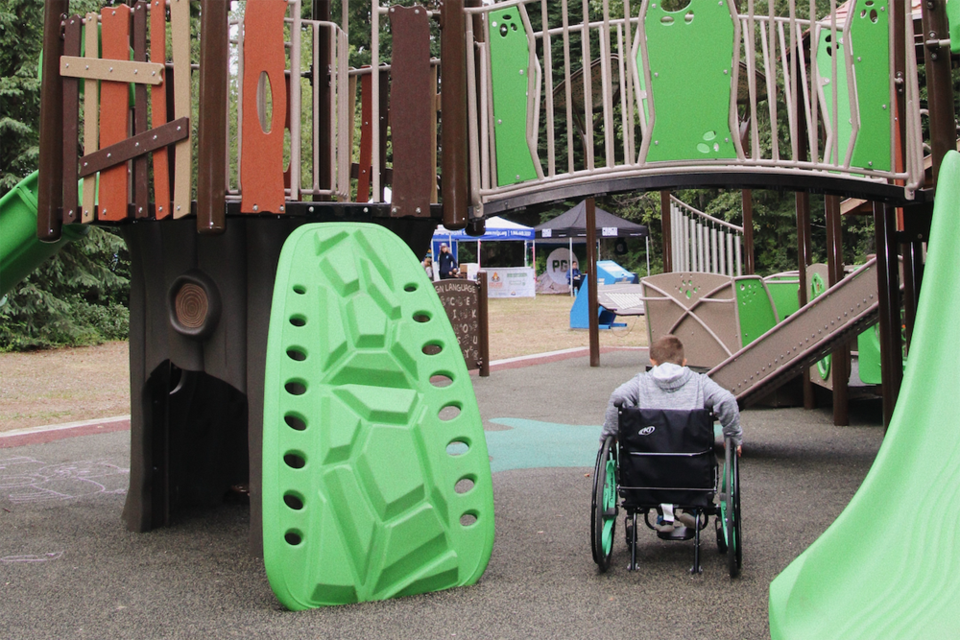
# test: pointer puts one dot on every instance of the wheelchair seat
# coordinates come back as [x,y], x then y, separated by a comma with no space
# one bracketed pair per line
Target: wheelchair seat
[661,461]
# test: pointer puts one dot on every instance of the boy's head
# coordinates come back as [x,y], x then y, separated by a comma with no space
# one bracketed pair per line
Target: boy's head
[667,349]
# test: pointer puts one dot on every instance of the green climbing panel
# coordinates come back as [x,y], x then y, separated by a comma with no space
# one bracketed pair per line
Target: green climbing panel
[870,43]
[784,290]
[511,69]
[376,480]
[690,55]
[953,19]
[868,356]
[754,308]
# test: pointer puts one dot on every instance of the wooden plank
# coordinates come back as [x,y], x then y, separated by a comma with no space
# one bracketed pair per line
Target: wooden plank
[410,92]
[71,125]
[134,147]
[183,153]
[141,187]
[49,181]
[212,125]
[158,108]
[261,164]
[91,110]
[129,71]
[114,112]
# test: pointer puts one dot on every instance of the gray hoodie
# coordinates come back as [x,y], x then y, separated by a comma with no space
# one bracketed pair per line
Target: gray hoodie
[670,386]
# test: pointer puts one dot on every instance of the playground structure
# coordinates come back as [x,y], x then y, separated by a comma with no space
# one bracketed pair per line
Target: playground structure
[517,131]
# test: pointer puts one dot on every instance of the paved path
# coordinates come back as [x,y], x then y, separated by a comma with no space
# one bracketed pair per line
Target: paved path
[69,569]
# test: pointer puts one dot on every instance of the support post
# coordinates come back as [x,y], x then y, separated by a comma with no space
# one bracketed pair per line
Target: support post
[483,322]
[453,105]
[212,121]
[840,358]
[748,263]
[666,227]
[321,79]
[936,57]
[49,191]
[888,290]
[804,250]
[594,305]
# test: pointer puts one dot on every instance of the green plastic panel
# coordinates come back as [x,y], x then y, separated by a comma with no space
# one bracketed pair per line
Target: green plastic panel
[376,480]
[20,250]
[784,290]
[690,55]
[510,69]
[868,356]
[870,43]
[953,19]
[885,567]
[754,308]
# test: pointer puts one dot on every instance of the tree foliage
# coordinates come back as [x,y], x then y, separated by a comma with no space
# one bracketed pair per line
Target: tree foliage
[80,295]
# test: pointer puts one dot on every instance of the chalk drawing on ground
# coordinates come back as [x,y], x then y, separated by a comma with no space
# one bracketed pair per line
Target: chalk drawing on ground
[24,479]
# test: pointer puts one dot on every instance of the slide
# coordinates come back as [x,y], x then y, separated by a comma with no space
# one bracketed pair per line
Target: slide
[20,250]
[887,568]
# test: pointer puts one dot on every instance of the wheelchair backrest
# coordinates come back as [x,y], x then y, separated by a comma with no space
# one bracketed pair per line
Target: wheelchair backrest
[666,456]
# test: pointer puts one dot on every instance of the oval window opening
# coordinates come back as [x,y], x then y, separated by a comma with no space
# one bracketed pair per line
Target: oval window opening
[264,102]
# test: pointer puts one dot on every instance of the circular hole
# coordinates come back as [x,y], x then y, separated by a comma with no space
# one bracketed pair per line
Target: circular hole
[421,316]
[688,18]
[410,287]
[299,289]
[293,501]
[464,484]
[294,460]
[441,380]
[298,320]
[874,16]
[295,388]
[702,148]
[449,412]
[666,20]
[468,519]
[504,30]
[294,353]
[295,422]
[294,538]
[457,448]
[432,348]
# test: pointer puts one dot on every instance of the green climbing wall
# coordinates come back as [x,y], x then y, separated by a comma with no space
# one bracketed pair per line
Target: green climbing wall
[376,480]
[511,69]
[690,54]
[870,42]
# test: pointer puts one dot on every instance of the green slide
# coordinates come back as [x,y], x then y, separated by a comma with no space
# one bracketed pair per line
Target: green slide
[887,568]
[20,250]
[376,477]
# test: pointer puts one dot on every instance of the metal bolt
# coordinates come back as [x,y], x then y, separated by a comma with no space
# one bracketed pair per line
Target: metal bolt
[282,207]
[256,208]
[111,69]
[521,71]
[310,209]
[418,209]
[178,207]
[160,208]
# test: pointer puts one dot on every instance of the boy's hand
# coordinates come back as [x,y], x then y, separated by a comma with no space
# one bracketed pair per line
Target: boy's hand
[739,450]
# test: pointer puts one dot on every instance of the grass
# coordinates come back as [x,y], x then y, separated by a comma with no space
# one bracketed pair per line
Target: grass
[67,385]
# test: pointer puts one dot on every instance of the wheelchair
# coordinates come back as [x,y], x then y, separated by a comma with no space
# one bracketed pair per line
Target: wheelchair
[664,460]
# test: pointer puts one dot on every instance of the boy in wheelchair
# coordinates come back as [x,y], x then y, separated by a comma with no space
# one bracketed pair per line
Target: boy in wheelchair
[664,460]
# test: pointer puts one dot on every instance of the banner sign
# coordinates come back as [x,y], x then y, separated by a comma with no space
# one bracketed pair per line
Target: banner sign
[460,300]
[512,282]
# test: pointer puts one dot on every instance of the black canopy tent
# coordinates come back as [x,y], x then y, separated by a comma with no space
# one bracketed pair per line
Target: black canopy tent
[573,224]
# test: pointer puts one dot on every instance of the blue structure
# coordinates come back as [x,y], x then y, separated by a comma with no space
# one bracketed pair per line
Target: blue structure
[609,272]
[580,311]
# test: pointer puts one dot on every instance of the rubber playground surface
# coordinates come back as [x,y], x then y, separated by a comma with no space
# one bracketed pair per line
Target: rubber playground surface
[69,568]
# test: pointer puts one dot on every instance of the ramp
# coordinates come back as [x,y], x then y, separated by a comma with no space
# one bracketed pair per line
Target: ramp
[887,567]
[839,314]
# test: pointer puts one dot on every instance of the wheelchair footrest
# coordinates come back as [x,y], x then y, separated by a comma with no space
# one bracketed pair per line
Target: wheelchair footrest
[679,533]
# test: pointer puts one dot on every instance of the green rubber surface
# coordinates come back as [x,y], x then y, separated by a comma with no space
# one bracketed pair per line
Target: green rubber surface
[886,568]
[690,54]
[870,43]
[754,308]
[510,70]
[20,250]
[376,477]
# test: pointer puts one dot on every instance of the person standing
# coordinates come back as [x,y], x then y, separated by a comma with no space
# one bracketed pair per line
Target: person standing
[446,261]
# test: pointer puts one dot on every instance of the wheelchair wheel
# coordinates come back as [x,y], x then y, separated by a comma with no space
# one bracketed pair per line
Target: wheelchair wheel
[730,513]
[604,510]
